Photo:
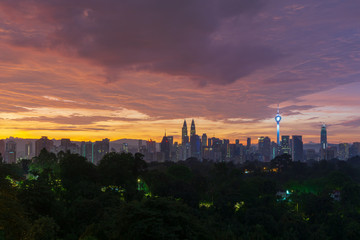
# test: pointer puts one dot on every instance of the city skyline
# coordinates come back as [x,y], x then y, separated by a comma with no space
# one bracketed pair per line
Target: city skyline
[75,70]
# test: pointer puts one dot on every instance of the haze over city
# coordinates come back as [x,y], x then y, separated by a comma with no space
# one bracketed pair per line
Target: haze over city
[86,70]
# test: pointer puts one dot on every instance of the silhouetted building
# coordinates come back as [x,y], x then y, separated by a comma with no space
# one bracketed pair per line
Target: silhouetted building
[297,148]
[323,142]
[151,150]
[343,151]
[354,150]
[192,131]
[2,148]
[87,151]
[10,152]
[274,150]
[248,143]
[195,145]
[67,146]
[264,148]
[184,136]
[311,154]
[101,148]
[331,152]
[42,143]
[204,140]
[165,148]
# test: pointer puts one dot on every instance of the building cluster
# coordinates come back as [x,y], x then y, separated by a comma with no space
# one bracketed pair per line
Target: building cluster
[193,146]
[220,150]
[93,151]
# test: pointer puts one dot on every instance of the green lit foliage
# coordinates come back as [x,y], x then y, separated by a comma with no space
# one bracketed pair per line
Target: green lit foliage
[122,169]
[46,161]
[13,221]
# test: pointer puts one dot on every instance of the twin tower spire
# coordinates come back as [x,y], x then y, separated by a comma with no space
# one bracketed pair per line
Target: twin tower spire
[185,136]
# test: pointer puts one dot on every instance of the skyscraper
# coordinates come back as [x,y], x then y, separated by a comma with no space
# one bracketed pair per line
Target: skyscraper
[165,148]
[323,141]
[204,140]
[297,148]
[285,145]
[278,119]
[264,148]
[185,137]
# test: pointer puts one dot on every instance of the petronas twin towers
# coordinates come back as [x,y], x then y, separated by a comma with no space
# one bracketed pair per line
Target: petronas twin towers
[185,136]
[194,139]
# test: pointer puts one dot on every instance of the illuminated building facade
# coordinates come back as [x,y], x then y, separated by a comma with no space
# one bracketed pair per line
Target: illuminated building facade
[285,145]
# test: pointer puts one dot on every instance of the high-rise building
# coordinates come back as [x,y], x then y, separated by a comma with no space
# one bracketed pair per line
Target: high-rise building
[354,150]
[87,151]
[67,146]
[285,145]
[151,150]
[165,148]
[184,136]
[278,119]
[248,143]
[101,148]
[195,142]
[2,148]
[331,153]
[343,151]
[323,142]
[297,148]
[42,143]
[264,148]
[274,150]
[195,146]
[10,152]
[28,150]
[204,140]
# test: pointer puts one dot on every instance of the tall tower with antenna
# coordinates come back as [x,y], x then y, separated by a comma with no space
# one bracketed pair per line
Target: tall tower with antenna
[278,119]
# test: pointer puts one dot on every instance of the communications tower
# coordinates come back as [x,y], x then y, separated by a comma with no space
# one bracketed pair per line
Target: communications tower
[278,119]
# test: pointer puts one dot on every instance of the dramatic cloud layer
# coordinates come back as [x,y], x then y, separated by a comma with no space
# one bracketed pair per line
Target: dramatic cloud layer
[133,68]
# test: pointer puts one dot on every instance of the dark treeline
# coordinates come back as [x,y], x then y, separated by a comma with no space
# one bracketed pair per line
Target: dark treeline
[66,197]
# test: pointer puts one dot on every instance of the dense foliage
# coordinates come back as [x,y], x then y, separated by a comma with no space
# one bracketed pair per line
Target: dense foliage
[66,197]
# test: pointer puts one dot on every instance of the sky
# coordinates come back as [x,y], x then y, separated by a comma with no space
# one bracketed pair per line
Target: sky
[91,69]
